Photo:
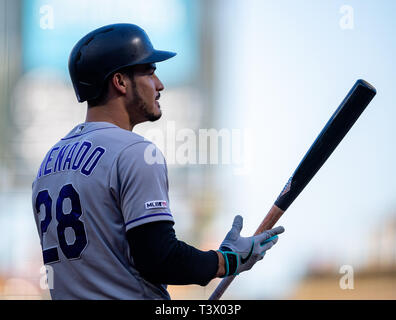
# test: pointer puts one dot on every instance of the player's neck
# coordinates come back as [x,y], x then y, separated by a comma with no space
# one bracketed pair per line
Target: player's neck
[111,114]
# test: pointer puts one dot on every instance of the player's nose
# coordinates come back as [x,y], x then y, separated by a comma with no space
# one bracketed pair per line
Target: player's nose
[159,86]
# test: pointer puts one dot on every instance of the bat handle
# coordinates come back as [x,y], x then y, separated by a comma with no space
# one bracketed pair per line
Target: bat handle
[269,221]
[223,285]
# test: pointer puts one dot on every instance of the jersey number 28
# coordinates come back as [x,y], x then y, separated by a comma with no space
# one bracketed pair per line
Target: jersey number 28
[70,220]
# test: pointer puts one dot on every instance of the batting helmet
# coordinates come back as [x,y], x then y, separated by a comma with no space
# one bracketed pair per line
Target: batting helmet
[105,51]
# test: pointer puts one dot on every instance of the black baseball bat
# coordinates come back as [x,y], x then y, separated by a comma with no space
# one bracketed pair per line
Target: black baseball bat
[328,139]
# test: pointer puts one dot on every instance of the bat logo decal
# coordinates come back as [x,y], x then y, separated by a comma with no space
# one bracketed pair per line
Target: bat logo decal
[286,188]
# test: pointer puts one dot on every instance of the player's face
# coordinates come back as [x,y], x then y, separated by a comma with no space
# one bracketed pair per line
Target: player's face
[146,89]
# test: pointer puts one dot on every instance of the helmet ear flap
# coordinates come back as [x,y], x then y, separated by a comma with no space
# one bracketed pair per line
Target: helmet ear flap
[104,51]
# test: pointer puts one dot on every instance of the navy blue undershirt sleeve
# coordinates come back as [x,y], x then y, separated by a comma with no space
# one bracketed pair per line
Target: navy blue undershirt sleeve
[162,259]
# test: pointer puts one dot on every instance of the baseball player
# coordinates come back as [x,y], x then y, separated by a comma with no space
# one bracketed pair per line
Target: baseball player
[101,205]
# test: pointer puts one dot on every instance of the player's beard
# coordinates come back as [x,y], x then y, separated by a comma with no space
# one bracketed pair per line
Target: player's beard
[142,106]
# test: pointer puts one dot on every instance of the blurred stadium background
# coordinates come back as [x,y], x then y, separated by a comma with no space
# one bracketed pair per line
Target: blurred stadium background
[274,69]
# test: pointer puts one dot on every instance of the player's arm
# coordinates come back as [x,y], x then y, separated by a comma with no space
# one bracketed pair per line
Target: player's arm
[161,258]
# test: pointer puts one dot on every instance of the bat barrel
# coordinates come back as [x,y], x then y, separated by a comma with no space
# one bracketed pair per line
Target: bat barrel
[364,83]
[328,139]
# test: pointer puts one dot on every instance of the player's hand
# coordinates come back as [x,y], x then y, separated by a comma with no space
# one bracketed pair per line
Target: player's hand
[240,253]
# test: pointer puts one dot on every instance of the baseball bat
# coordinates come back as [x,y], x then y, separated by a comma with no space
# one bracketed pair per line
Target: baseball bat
[328,139]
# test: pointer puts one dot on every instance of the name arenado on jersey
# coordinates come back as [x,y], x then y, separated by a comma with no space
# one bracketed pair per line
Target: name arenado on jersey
[74,156]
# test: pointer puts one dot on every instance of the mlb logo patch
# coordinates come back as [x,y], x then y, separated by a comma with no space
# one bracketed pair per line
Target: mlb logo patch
[155,204]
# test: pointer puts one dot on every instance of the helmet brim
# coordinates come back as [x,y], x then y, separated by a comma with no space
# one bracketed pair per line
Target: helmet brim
[157,56]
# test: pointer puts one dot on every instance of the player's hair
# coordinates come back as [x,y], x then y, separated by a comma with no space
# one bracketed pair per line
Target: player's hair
[104,95]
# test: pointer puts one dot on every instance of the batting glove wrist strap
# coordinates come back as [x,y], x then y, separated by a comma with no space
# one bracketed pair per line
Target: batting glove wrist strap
[231,262]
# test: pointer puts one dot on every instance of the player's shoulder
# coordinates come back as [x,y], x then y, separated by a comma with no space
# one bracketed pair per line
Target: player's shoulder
[142,150]
[131,143]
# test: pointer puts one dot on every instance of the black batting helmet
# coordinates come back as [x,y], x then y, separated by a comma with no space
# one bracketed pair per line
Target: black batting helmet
[106,50]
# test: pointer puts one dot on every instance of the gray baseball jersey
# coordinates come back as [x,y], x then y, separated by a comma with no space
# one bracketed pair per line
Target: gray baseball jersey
[92,187]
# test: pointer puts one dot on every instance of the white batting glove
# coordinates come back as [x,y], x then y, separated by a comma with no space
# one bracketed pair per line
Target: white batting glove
[240,253]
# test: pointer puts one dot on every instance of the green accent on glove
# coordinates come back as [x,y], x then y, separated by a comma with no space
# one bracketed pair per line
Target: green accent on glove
[231,262]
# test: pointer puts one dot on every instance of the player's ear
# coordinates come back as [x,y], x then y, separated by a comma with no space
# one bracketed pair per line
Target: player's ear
[119,82]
